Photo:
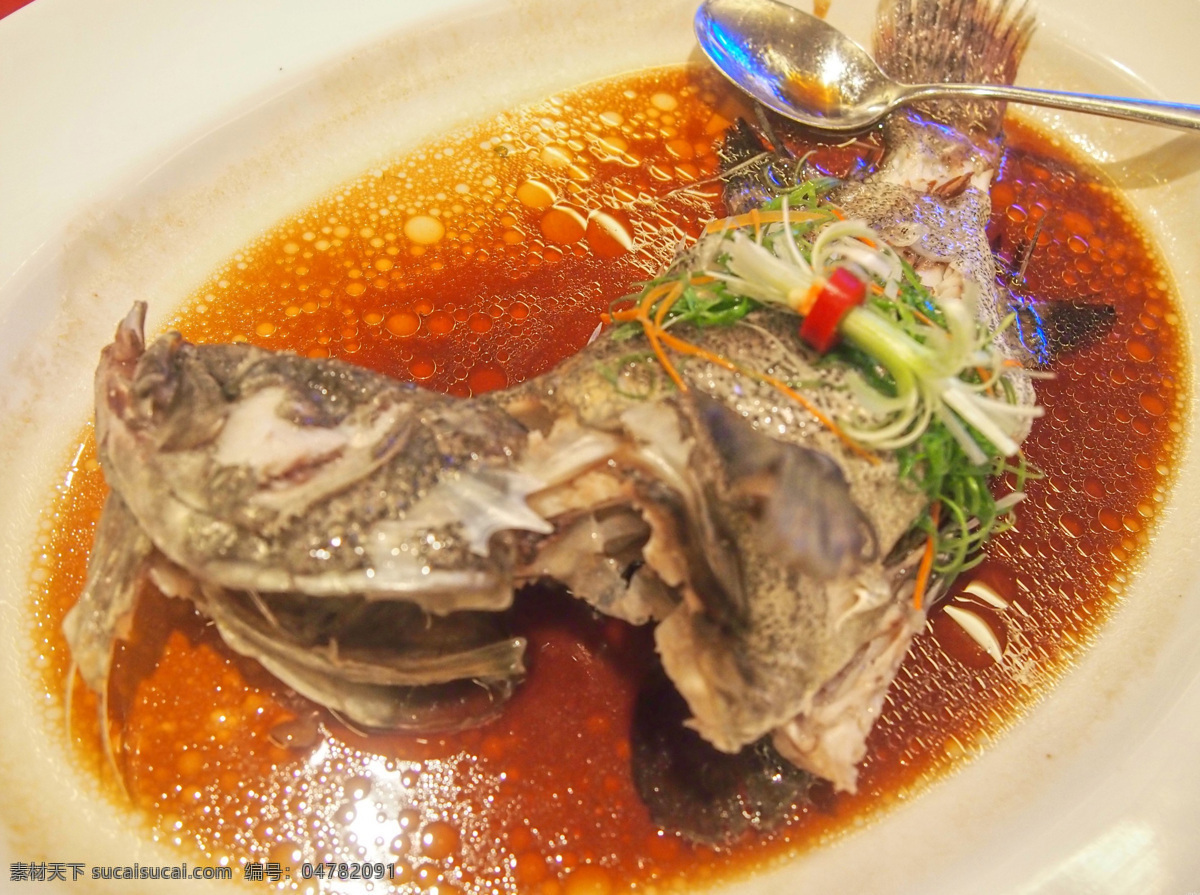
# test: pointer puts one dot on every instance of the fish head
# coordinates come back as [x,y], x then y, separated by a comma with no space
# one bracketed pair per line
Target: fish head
[155,391]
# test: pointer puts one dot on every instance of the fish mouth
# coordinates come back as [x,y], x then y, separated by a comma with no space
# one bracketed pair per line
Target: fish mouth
[118,366]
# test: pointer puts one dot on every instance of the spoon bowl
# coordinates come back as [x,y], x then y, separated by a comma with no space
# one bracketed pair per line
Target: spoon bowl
[808,71]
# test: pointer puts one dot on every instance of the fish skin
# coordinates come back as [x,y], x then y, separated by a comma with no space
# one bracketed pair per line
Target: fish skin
[929,198]
[312,520]
[105,608]
[930,194]
[759,640]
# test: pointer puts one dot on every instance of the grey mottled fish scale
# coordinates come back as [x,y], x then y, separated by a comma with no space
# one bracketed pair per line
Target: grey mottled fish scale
[207,519]
[766,343]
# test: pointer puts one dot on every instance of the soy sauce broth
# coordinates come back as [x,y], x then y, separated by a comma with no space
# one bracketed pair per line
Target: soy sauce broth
[483,259]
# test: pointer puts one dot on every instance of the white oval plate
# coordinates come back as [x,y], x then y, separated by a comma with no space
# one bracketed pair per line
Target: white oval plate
[141,144]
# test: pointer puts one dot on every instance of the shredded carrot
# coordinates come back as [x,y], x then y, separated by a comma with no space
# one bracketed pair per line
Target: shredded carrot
[683,347]
[625,315]
[810,298]
[665,295]
[629,314]
[923,570]
[924,319]
[654,330]
[756,218]
[664,306]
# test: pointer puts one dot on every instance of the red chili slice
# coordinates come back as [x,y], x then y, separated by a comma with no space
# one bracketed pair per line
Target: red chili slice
[841,292]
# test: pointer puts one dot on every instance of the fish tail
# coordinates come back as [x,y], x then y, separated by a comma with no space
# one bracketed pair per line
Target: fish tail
[962,41]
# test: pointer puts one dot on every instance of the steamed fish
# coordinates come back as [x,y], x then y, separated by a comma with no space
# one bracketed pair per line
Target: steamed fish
[289,499]
[812,658]
[770,507]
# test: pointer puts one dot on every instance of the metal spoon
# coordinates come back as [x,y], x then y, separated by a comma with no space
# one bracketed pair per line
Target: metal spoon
[810,72]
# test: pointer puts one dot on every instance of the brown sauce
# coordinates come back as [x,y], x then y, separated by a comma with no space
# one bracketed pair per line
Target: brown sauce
[481,260]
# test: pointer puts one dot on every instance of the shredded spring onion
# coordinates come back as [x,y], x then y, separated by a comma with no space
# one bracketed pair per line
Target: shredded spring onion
[941,364]
[931,384]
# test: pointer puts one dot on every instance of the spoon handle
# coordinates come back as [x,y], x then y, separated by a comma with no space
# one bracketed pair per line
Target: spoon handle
[1147,111]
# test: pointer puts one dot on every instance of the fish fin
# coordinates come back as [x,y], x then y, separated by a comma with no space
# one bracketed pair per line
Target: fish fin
[1049,329]
[755,167]
[346,723]
[800,497]
[378,686]
[104,611]
[696,791]
[740,144]
[961,41]
[483,505]
[829,740]
[110,750]
[105,735]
